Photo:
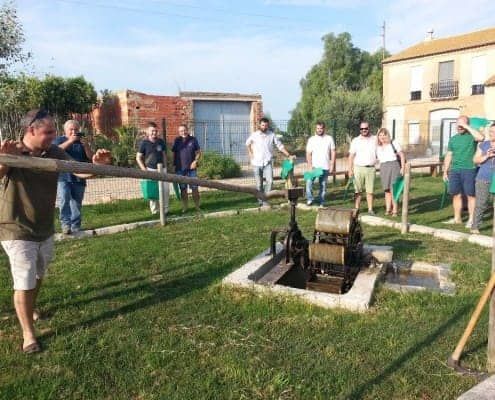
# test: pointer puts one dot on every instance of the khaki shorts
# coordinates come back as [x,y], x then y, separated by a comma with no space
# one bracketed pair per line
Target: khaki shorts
[364,179]
[28,261]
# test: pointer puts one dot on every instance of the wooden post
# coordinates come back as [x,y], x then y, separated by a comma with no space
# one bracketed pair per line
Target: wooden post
[405,198]
[161,197]
[490,364]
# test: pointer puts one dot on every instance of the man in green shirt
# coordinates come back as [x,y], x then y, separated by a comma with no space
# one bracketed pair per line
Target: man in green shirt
[27,207]
[459,169]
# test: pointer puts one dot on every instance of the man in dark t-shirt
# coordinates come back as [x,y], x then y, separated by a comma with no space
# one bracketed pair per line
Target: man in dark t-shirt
[27,208]
[186,156]
[153,151]
[70,188]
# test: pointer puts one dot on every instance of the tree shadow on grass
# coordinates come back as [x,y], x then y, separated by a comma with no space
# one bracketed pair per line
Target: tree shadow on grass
[158,292]
[360,391]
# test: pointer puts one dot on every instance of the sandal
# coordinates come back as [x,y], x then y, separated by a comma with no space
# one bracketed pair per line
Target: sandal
[34,347]
[394,214]
[388,212]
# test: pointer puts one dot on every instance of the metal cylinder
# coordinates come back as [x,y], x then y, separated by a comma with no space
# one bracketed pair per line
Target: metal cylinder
[327,253]
[335,220]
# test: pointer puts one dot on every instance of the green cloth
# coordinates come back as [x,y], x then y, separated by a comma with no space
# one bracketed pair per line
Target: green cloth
[398,188]
[27,201]
[462,148]
[287,168]
[478,122]
[149,188]
[492,185]
[314,173]
[445,192]
[176,190]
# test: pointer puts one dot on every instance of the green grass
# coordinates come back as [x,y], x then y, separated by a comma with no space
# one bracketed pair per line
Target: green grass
[141,315]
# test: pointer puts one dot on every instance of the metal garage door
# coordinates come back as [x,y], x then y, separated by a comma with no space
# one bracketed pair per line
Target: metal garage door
[223,127]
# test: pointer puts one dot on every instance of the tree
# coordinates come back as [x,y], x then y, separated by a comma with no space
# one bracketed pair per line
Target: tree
[11,37]
[343,88]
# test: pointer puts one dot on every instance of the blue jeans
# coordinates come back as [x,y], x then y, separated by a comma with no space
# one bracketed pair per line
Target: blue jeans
[323,179]
[263,173]
[70,197]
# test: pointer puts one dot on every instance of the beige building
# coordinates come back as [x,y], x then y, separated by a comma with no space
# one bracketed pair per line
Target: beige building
[427,86]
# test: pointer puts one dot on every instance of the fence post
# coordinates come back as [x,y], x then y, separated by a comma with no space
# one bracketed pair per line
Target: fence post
[161,197]
[490,364]
[405,198]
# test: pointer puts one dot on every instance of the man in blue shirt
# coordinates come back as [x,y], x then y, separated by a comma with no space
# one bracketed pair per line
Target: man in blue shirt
[70,188]
[186,156]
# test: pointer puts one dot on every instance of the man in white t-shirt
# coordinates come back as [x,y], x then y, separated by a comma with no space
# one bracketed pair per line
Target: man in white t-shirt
[362,160]
[320,153]
[260,149]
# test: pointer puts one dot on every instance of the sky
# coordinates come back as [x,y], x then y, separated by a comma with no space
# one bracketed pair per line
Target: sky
[256,46]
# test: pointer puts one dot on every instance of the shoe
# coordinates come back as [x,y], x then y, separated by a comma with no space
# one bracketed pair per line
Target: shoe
[388,212]
[394,215]
[474,231]
[371,212]
[75,230]
[309,203]
[66,230]
[32,348]
[451,221]
[469,224]
[321,206]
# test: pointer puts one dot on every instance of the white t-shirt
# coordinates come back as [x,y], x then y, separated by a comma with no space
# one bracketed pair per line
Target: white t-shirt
[320,148]
[262,147]
[364,148]
[386,152]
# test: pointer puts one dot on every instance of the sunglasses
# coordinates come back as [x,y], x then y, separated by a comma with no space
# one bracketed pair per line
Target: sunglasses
[40,114]
[364,129]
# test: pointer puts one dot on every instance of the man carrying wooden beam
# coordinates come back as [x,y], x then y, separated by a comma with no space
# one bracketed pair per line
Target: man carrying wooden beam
[27,209]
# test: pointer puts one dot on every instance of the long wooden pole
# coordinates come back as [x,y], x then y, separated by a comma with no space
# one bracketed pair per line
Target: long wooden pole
[53,165]
[161,197]
[490,365]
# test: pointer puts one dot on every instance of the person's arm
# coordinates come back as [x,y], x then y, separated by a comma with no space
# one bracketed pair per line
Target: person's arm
[9,147]
[402,162]
[101,157]
[309,159]
[140,161]
[87,149]
[480,158]
[446,165]
[67,143]
[280,146]
[350,164]
[197,157]
[478,136]
[249,143]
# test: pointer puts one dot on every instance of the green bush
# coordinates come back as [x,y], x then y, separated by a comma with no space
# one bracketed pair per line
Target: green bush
[216,166]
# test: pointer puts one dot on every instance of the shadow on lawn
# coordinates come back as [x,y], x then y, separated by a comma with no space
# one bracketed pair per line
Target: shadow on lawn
[158,292]
[392,368]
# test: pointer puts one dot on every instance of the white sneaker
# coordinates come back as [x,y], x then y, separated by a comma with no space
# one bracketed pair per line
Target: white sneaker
[475,232]
[469,224]
[452,221]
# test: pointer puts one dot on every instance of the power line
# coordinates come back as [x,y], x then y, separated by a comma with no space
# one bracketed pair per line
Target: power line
[173,14]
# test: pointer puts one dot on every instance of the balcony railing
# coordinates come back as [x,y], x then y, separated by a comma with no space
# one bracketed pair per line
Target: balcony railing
[444,90]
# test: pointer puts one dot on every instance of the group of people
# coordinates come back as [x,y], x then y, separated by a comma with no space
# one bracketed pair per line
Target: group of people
[468,168]
[365,151]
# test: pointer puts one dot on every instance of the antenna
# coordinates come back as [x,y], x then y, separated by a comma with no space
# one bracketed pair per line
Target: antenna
[383,40]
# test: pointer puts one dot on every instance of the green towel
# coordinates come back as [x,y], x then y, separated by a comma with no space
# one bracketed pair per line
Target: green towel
[398,188]
[445,192]
[287,168]
[176,190]
[314,173]
[492,184]
[149,189]
[478,122]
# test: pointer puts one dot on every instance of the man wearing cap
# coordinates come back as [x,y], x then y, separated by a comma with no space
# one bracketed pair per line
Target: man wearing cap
[27,210]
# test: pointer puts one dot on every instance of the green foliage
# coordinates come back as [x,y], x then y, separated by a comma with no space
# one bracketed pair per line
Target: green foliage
[123,146]
[345,86]
[217,166]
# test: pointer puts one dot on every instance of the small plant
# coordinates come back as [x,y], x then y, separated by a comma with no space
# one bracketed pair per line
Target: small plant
[217,166]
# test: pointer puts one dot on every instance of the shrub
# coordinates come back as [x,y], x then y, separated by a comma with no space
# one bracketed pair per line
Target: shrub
[216,166]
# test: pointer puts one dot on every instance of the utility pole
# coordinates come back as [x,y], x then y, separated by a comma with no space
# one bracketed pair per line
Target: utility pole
[383,40]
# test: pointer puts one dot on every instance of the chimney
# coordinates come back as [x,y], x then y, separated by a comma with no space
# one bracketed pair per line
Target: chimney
[430,35]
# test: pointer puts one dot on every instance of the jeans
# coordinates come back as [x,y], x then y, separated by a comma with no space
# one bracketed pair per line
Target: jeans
[263,173]
[323,179]
[70,197]
[483,198]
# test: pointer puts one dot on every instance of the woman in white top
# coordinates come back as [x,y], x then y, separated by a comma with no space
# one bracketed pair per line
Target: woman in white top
[391,158]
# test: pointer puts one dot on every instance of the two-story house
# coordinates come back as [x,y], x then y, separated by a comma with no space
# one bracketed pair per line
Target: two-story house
[427,86]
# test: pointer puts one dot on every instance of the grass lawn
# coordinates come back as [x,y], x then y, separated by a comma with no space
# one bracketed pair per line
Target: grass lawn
[141,315]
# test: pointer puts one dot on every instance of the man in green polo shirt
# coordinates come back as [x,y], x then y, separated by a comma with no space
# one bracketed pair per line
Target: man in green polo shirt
[459,169]
[27,208]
